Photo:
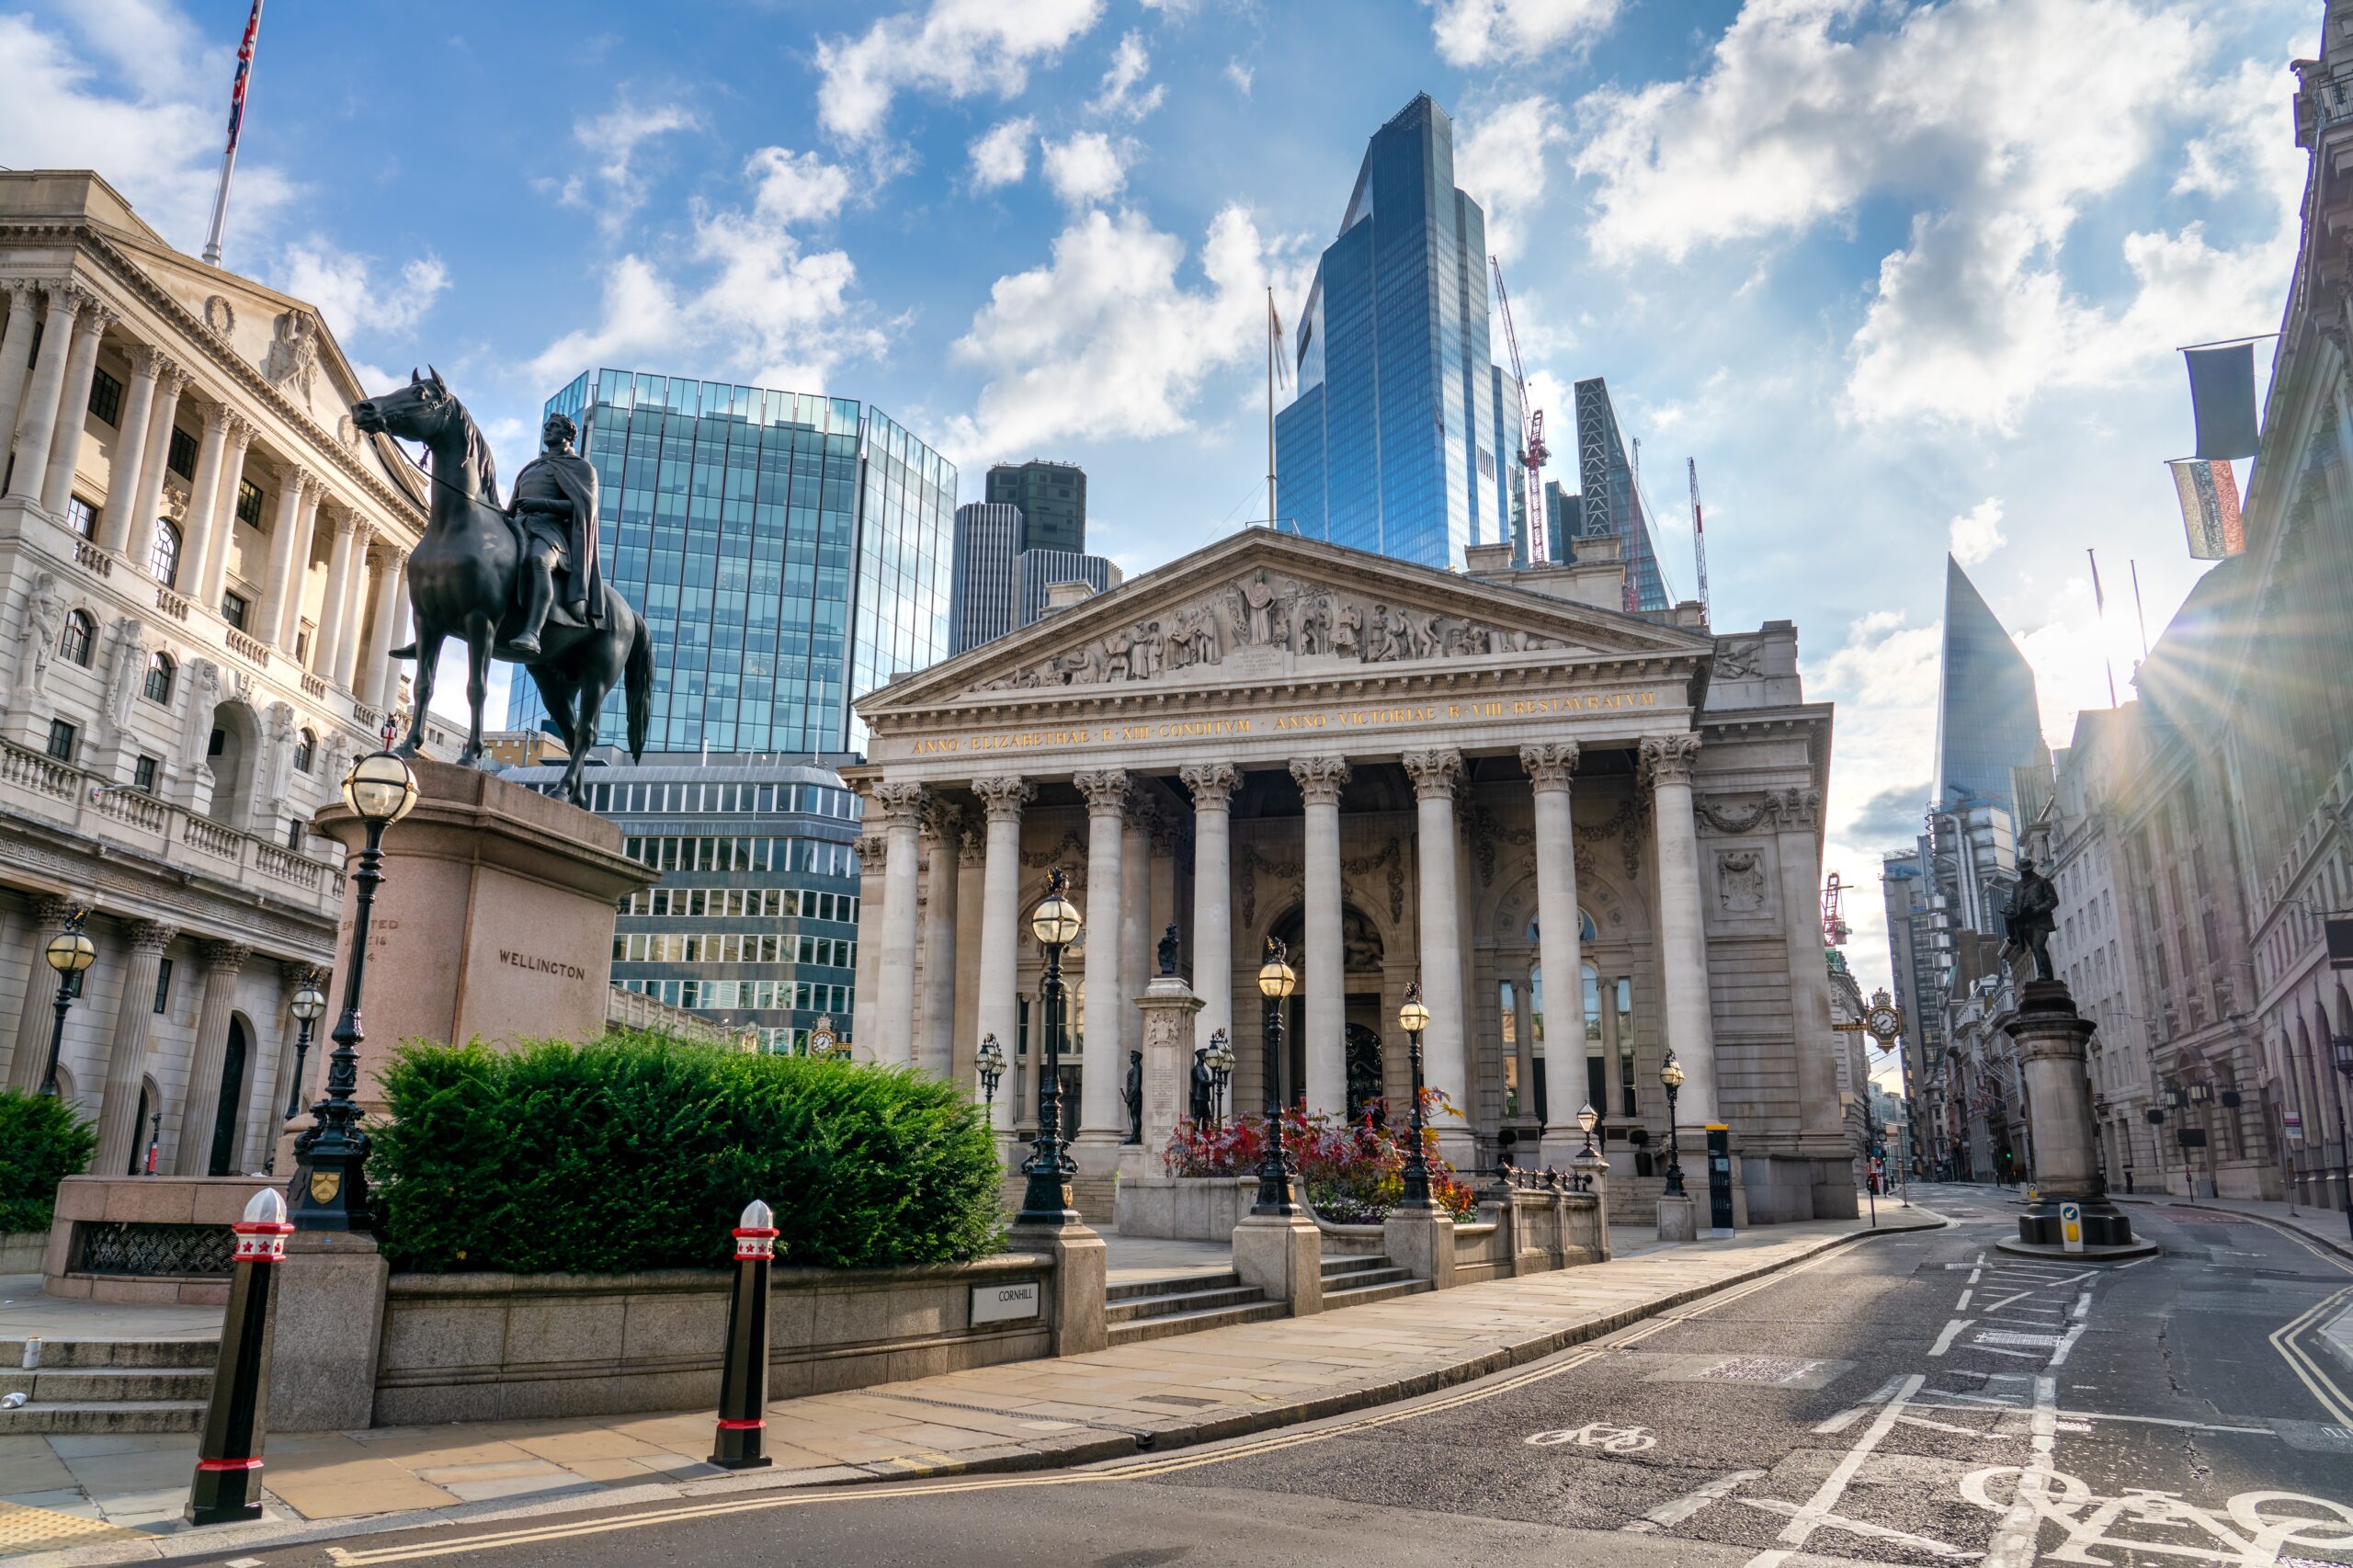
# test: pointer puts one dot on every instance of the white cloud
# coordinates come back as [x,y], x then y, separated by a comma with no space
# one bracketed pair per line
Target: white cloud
[1500,161]
[1001,157]
[766,309]
[615,137]
[1107,339]
[1130,64]
[1996,125]
[1481,32]
[956,48]
[1977,534]
[349,299]
[156,139]
[1086,168]
[1240,75]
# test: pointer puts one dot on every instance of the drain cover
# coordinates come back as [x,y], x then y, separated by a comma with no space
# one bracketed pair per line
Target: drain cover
[1759,1370]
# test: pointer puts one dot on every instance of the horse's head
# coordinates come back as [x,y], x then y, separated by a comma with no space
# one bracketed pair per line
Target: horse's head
[417,412]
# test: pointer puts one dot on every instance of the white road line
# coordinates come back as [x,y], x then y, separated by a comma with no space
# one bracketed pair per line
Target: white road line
[1767,1560]
[1963,1305]
[1853,1413]
[1683,1507]
[1865,1527]
[2083,1304]
[2067,1343]
[1944,1340]
[1825,1497]
[2014,1539]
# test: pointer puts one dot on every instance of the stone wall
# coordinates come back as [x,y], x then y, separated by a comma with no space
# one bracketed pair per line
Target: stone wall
[504,1346]
[1188,1208]
[144,1223]
[20,1252]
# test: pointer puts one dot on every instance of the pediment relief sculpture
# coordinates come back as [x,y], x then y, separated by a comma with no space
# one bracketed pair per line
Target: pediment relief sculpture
[1272,610]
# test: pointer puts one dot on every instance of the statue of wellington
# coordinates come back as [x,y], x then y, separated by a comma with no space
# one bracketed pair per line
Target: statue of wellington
[555,505]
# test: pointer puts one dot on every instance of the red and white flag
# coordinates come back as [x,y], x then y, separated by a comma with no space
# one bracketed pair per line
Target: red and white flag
[244,73]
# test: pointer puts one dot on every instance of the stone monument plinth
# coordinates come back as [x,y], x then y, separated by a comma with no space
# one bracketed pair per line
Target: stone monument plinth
[1169,1008]
[2051,1036]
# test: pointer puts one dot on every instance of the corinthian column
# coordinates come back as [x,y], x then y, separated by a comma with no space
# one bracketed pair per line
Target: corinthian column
[944,825]
[1135,929]
[355,607]
[1321,779]
[1001,925]
[15,347]
[1446,1063]
[1566,1076]
[38,1019]
[199,524]
[286,631]
[129,449]
[376,675]
[136,527]
[223,532]
[1682,940]
[201,1104]
[326,648]
[283,527]
[900,809]
[37,417]
[1102,1119]
[134,1017]
[73,410]
[1213,785]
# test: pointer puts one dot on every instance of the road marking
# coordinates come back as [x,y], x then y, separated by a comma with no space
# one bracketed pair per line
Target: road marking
[1865,1527]
[2067,1343]
[1963,1305]
[2083,1304]
[2309,1371]
[1683,1507]
[1848,1418]
[2014,1538]
[1952,1329]
[1818,1508]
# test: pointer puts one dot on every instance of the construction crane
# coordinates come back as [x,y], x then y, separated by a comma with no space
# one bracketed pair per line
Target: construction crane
[1532,453]
[1834,929]
[1698,535]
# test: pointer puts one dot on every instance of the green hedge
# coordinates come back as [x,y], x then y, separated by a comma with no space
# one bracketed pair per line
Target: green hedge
[639,1151]
[43,1141]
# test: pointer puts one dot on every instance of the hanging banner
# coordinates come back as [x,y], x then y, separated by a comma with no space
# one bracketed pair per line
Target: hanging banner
[2210,508]
[2221,400]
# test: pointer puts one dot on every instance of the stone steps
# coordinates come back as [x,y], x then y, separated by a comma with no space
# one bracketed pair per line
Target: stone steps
[1359,1281]
[96,1386]
[102,1420]
[1156,1309]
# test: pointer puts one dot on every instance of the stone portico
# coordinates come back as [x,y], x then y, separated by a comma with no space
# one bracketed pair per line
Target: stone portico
[1485,780]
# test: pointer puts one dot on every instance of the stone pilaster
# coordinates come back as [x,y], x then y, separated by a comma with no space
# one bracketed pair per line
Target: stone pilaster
[1321,779]
[38,1018]
[134,1018]
[1002,921]
[1102,1119]
[1213,785]
[944,827]
[1445,1059]
[1549,768]
[900,807]
[1667,761]
[222,960]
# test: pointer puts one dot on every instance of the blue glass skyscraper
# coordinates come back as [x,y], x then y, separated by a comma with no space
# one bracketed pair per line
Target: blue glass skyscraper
[1403,436]
[790,552]
[1987,718]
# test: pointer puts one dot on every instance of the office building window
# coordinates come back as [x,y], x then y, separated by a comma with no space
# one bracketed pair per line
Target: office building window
[143,775]
[163,985]
[106,397]
[75,641]
[161,673]
[249,503]
[163,555]
[82,517]
[306,751]
[62,737]
[233,609]
[180,456]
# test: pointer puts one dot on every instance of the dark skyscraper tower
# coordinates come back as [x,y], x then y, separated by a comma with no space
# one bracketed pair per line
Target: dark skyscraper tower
[1052,498]
[1609,500]
[1987,718]
[1402,438]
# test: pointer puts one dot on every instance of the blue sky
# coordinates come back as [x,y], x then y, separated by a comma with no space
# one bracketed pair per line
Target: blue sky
[1904,277]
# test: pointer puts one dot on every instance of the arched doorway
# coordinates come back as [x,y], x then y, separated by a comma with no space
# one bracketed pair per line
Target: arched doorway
[230,753]
[229,1113]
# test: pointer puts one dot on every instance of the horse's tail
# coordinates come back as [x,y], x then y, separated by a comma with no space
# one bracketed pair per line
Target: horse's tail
[640,680]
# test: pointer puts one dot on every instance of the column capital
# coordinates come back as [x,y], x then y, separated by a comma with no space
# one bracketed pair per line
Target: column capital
[972,848]
[1321,778]
[313,487]
[216,420]
[50,909]
[239,429]
[1106,792]
[942,818]
[1669,759]
[345,520]
[171,379]
[1434,773]
[1550,766]
[901,804]
[221,954]
[101,314]
[66,295]
[1005,795]
[294,971]
[150,936]
[148,360]
[1212,784]
[873,849]
[19,290]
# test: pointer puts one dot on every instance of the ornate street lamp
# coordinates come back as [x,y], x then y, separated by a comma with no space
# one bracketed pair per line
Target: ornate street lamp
[1046,1200]
[1414,1018]
[69,952]
[1277,981]
[309,1007]
[1671,1074]
[330,1187]
[992,1061]
[1220,1062]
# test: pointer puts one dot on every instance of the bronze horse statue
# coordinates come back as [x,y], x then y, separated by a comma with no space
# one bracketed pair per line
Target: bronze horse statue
[466,577]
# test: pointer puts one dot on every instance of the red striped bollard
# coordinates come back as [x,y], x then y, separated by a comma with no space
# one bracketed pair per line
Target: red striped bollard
[227,1457]
[743,1382]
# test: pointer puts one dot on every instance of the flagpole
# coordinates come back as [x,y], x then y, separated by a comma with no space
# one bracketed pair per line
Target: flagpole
[2099,605]
[1272,521]
[236,122]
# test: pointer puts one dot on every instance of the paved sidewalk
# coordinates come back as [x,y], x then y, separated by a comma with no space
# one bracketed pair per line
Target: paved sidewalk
[2325,1226]
[116,1499]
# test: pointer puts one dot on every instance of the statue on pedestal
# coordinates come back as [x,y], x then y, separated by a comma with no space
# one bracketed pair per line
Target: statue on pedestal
[1202,1106]
[2032,911]
[1133,1095]
[1169,948]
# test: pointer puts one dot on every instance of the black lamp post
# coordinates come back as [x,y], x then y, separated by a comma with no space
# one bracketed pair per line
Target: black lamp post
[1046,1199]
[992,1061]
[309,1007]
[1671,1074]
[1220,1062]
[1277,981]
[2340,1048]
[69,952]
[330,1187]
[1414,1018]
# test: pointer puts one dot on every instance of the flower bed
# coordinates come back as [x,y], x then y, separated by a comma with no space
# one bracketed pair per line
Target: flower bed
[1353,1173]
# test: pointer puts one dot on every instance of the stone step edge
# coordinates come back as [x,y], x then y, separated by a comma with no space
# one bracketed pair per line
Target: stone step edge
[1144,1329]
[1175,1284]
[1152,1307]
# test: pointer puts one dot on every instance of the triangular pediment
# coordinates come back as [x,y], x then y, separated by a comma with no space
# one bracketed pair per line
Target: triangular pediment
[1263,607]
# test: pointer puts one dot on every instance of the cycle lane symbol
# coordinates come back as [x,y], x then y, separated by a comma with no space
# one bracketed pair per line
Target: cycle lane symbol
[1597,1435]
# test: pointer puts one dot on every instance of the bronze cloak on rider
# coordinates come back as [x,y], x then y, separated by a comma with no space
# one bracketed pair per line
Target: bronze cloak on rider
[575,476]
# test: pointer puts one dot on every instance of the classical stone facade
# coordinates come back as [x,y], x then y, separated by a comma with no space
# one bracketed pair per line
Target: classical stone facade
[1591,836]
[200,579]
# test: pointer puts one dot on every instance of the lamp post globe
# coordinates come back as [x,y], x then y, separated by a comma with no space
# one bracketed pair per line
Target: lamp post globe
[329,1191]
[310,1005]
[70,952]
[1414,1018]
[1277,981]
[1670,1074]
[1045,1198]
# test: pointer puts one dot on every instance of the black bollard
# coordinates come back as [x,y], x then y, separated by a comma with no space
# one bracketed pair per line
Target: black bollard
[744,1381]
[227,1487]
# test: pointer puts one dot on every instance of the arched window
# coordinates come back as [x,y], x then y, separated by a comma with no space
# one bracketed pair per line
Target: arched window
[80,632]
[163,556]
[160,671]
[306,751]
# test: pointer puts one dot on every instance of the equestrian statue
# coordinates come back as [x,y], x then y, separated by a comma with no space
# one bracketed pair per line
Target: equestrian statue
[519,582]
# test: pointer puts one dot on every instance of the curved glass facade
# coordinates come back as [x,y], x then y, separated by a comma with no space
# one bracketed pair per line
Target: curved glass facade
[1988,721]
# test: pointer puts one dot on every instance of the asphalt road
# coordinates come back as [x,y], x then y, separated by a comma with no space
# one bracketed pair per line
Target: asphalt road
[1912,1400]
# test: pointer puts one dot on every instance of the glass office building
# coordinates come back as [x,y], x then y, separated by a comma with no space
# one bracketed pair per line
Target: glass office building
[1403,435]
[1611,500]
[789,552]
[1987,718]
[1052,498]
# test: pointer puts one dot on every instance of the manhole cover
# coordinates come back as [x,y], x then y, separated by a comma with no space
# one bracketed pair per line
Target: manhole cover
[2012,1336]
[1759,1370]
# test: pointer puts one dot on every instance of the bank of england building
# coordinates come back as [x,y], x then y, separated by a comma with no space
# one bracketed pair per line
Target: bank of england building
[1592,836]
